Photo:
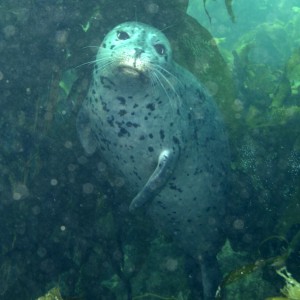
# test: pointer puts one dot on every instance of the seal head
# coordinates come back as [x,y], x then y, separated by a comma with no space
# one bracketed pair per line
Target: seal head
[135,51]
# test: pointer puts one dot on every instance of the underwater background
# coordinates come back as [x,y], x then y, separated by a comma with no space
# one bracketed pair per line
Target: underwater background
[65,231]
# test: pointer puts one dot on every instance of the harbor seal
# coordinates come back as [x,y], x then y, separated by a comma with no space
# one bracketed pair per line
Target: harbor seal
[157,127]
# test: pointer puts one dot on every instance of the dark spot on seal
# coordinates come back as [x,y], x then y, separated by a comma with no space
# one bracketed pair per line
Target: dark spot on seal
[151,136]
[110,121]
[142,137]
[174,187]
[104,106]
[103,45]
[150,149]
[150,106]
[162,134]
[137,175]
[130,124]
[106,82]
[122,112]
[123,132]
[198,171]
[200,95]
[122,100]
[175,140]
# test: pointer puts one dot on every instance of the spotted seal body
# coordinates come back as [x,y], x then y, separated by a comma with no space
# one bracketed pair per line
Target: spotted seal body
[157,127]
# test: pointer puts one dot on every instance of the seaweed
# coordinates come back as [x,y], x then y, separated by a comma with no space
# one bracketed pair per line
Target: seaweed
[291,290]
[53,294]
[228,4]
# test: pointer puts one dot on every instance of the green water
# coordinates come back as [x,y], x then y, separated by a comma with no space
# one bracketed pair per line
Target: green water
[64,218]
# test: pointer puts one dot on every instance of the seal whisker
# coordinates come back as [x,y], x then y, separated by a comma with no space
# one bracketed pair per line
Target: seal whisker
[158,74]
[104,67]
[155,81]
[168,72]
[97,60]
[91,46]
[102,60]
[103,63]
[88,63]
[84,64]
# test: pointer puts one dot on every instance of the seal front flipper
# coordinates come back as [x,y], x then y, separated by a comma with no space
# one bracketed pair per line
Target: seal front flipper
[84,129]
[164,169]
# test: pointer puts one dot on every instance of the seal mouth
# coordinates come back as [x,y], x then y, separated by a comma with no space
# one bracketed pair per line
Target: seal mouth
[131,71]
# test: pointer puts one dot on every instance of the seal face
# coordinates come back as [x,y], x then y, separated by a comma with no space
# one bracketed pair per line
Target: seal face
[158,128]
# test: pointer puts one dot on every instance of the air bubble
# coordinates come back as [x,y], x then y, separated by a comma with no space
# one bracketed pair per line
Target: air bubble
[171,264]
[118,182]
[72,167]
[17,196]
[9,31]
[41,252]
[61,36]
[101,167]
[36,210]
[68,144]
[212,87]
[152,8]
[82,160]
[238,224]
[87,188]
[53,182]
[20,191]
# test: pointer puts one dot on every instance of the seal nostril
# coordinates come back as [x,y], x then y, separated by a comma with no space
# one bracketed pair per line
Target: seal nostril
[138,51]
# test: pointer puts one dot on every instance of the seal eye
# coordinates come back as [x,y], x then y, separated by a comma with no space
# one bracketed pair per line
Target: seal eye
[122,35]
[160,49]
